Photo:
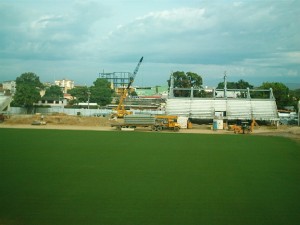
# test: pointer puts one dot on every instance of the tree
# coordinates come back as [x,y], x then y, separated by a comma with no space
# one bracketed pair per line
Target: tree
[280,92]
[241,84]
[28,87]
[53,92]
[195,80]
[80,94]
[100,92]
[295,96]
[185,80]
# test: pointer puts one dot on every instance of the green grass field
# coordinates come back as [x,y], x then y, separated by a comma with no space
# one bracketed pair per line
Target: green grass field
[60,177]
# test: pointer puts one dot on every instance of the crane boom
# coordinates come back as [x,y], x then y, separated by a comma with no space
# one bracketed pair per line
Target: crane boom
[131,79]
[120,110]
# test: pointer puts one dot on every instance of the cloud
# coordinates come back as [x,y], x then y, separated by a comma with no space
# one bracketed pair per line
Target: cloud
[212,33]
[48,35]
[46,21]
[248,39]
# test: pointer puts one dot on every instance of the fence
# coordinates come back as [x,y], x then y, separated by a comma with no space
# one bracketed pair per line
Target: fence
[78,112]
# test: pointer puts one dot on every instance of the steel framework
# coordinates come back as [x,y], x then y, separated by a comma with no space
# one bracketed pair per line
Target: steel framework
[118,79]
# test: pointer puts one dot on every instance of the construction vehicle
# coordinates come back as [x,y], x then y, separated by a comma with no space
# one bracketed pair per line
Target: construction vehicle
[166,122]
[244,128]
[154,122]
[120,111]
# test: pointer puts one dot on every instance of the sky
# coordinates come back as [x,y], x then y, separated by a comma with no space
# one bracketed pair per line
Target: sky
[256,41]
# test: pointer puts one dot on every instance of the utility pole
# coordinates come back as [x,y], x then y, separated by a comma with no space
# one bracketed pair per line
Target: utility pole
[89,93]
[298,113]
[225,85]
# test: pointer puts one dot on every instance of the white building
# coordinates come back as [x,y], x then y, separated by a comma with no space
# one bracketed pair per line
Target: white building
[9,86]
[65,84]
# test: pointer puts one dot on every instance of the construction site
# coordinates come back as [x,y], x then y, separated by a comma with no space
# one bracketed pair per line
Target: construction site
[232,110]
[220,159]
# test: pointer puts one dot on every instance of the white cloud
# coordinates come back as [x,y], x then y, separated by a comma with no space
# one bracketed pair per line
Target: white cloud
[45,21]
[248,39]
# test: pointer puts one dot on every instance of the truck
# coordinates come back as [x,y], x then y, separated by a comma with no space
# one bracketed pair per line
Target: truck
[154,122]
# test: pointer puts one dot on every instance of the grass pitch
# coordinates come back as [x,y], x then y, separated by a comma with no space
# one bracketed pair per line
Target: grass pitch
[59,177]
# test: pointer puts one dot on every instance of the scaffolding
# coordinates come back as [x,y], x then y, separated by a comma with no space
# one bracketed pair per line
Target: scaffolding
[117,79]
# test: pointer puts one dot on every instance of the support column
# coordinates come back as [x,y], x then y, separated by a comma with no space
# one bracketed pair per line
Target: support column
[171,92]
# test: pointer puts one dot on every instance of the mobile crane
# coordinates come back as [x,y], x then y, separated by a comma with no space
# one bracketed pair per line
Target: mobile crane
[120,111]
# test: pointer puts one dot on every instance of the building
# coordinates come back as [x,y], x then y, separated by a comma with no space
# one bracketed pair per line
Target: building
[155,91]
[9,86]
[65,84]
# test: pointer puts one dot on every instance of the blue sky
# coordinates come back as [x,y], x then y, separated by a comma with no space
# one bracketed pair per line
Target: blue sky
[256,41]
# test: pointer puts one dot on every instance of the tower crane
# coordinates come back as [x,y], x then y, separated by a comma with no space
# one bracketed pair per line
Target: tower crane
[120,111]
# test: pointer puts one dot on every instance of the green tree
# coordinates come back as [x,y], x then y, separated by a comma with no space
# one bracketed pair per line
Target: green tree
[53,92]
[185,80]
[195,80]
[80,94]
[280,92]
[100,92]
[295,96]
[241,84]
[28,87]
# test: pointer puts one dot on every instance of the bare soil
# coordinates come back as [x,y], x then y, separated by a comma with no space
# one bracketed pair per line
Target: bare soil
[63,121]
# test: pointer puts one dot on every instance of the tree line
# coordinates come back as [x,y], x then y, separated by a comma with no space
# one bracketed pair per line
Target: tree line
[283,95]
[28,87]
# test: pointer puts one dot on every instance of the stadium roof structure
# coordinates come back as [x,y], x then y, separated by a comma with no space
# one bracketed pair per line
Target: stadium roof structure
[230,104]
[4,102]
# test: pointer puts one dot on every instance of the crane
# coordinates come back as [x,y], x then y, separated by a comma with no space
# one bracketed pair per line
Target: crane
[120,111]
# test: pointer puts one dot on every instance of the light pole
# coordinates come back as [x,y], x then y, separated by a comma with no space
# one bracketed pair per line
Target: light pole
[225,85]
[298,113]
[89,94]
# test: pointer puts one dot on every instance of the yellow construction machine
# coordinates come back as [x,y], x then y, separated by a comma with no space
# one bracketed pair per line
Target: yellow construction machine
[167,122]
[154,122]
[244,128]
[120,111]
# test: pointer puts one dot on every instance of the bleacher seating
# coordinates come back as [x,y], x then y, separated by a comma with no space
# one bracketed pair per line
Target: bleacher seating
[244,109]
[203,107]
[264,110]
[238,109]
[4,102]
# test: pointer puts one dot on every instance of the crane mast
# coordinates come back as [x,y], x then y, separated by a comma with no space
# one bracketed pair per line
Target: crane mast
[120,111]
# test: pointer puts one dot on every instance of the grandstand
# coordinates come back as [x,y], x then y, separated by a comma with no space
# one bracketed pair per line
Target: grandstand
[261,107]
[231,109]
[4,102]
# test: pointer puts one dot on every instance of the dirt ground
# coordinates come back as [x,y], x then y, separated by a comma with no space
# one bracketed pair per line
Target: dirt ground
[62,121]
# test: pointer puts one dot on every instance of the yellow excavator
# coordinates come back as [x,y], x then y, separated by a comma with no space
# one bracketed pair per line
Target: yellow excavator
[120,111]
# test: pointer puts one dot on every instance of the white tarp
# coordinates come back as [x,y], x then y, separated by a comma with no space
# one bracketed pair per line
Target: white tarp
[182,120]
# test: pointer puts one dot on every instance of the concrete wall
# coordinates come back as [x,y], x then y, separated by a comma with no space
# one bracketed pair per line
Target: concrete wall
[82,112]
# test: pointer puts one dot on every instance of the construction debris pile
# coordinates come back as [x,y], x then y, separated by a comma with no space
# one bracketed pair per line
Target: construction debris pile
[57,119]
